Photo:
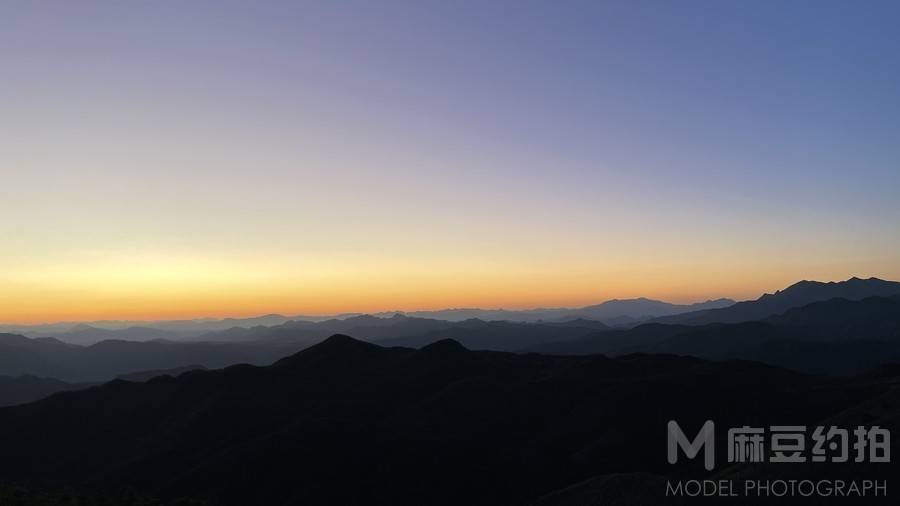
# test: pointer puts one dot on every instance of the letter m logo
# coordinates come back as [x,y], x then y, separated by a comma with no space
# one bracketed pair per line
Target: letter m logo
[705,439]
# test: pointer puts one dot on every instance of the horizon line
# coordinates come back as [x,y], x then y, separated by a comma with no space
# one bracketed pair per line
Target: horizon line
[350,314]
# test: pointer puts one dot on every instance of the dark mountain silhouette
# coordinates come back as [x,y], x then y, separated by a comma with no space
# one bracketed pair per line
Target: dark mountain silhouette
[349,422]
[614,342]
[836,336]
[619,489]
[499,335]
[28,388]
[869,318]
[47,357]
[20,355]
[580,323]
[890,370]
[796,295]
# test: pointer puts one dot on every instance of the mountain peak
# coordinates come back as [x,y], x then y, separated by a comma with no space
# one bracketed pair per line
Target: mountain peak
[447,357]
[339,348]
[444,346]
[339,341]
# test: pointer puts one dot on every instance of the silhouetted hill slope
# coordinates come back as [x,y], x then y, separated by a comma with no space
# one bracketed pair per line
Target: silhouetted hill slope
[580,323]
[349,422]
[87,335]
[148,375]
[869,318]
[620,489]
[890,370]
[881,409]
[47,357]
[614,342]
[796,295]
[498,335]
[27,388]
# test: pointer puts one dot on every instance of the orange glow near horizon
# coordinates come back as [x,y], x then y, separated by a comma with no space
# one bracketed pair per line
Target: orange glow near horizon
[164,289]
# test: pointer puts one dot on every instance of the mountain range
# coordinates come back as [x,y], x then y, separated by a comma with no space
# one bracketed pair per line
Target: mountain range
[350,422]
[803,314]
[50,357]
[612,312]
[836,336]
[616,312]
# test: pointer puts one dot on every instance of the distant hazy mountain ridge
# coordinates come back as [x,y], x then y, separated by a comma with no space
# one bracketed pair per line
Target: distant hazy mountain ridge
[796,295]
[612,312]
[835,336]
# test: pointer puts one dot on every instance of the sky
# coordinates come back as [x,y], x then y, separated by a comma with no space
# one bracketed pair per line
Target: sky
[167,159]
